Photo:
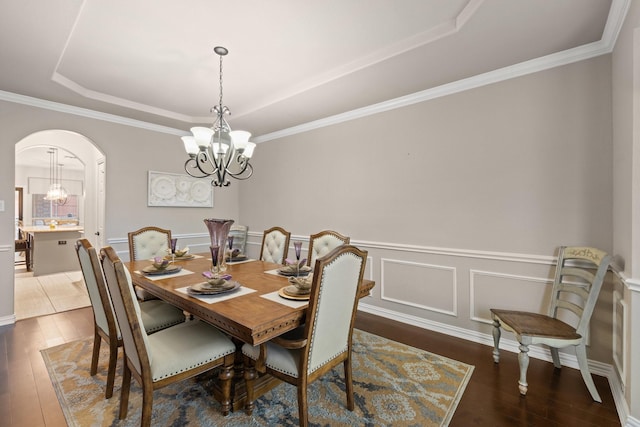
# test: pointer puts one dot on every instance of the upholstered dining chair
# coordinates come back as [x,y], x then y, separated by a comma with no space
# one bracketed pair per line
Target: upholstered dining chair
[275,245]
[147,243]
[325,340]
[156,314]
[168,356]
[580,272]
[324,242]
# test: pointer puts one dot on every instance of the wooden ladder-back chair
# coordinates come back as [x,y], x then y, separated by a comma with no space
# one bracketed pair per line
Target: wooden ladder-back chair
[324,242]
[156,315]
[325,340]
[275,245]
[171,355]
[239,233]
[579,276]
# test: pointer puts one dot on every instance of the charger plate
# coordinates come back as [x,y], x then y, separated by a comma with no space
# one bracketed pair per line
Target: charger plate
[181,258]
[152,271]
[285,295]
[304,271]
[205,288]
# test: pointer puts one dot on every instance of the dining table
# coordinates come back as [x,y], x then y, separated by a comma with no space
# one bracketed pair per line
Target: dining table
[254,312]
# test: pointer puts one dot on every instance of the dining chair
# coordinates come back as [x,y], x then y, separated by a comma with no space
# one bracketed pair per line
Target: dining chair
[275,245]
[324,242]
[168,356]
[324,341]
[580,272]
[156,314]
[147,243]
[239,233]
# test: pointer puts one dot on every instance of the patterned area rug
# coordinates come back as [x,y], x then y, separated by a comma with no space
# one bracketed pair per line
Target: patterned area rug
[394,384]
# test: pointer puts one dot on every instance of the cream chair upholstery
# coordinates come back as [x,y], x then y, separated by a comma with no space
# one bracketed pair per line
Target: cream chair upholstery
[168,356]
[149,242]
[324,341]
[275,245]
[580,272]
[156,314]
[239,233]
[324,242]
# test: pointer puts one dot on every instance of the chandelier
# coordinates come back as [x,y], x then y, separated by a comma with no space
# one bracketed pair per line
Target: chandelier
[219,152]
[56,192]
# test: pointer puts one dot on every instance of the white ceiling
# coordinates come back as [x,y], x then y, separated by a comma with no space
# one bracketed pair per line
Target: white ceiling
[290,61]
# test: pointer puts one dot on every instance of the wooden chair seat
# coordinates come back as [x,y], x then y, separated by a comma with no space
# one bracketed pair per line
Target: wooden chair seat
[535,324]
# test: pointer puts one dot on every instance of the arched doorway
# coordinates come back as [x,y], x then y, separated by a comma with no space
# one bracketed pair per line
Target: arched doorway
[81,172]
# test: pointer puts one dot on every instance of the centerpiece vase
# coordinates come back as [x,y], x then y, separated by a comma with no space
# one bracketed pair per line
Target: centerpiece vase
[219,232]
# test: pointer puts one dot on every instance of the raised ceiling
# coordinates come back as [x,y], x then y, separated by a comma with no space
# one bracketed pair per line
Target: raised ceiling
[290,62]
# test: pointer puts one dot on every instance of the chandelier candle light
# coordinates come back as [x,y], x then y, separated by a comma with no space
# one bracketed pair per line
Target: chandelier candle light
[56,192]
[219,152]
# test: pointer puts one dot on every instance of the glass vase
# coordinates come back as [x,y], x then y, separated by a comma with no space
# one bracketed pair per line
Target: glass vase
[219,232]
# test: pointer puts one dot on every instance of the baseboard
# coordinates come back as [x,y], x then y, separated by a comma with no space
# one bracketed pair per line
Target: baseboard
[597,368]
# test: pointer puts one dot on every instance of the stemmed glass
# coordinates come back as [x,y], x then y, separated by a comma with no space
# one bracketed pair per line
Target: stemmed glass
[298,247]
[174,243]
[230,240]
[214,259]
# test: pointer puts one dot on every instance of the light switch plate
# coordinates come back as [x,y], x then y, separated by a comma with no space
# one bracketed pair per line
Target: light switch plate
[1,205]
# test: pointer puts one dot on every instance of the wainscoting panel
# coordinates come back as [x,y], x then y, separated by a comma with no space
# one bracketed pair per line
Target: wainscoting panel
[426,286]
[509,291]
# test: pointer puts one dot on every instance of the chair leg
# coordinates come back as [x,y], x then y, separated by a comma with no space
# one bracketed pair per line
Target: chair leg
[225,376]
[496,341]
[303,413]
[523,361]
[556,357]
[250,375]
[581,354]
[111,372]
[97,340]
[147,406]
[124,392]
[348,382]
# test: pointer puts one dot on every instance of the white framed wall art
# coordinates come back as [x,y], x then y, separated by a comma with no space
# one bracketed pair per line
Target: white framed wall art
[169,189]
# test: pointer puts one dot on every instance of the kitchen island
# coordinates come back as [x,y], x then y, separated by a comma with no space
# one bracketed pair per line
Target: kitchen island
[52,249]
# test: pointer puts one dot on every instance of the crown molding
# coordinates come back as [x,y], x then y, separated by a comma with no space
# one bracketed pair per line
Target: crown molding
[605,45]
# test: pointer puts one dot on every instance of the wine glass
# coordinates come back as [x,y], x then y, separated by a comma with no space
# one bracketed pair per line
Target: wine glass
[174,243]
[298,247]
[230,241]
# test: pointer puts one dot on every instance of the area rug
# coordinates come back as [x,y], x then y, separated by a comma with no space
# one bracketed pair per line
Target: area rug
[394,384]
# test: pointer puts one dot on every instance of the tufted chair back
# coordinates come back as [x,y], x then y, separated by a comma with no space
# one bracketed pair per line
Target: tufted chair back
[239,233]
[275,245]
[322,243]
[149,242]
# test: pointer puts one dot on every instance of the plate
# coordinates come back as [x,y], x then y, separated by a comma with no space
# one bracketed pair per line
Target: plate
[237,258]
[151,270]
[284,295]
[181,258]
[304,271]
[205,288]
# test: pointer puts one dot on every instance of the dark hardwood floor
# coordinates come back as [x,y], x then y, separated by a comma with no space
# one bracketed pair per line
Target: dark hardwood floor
[556,397]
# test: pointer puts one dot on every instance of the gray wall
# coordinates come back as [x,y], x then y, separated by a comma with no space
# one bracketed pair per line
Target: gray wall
[130,152]
[461,201]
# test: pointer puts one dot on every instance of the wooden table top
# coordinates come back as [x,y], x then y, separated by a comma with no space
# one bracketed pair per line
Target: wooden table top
[249,317]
